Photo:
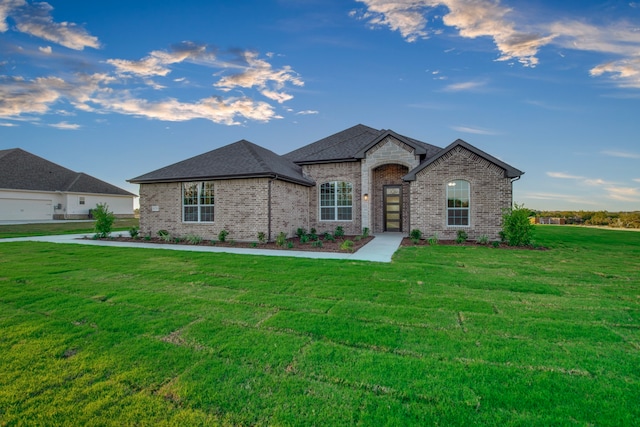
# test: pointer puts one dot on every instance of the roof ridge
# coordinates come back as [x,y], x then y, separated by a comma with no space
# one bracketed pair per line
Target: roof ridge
[251,148]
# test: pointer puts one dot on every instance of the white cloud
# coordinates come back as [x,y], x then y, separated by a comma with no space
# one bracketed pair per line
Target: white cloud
[472,19]
[513,37]
[624,194]
[464,86]
[474,130]
[46,50]
[259,74]
[8,125]
[65,126]
[35,19]
[307,112]
[622,154]
[562,175]
[156,63]
[593,182]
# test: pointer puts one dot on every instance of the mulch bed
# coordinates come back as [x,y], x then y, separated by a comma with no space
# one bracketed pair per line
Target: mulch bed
[423,242]
[294,242]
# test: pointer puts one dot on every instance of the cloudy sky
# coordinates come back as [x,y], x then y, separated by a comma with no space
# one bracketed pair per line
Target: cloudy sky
[120,88]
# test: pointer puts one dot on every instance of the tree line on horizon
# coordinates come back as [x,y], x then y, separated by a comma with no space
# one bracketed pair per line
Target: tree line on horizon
[597,218]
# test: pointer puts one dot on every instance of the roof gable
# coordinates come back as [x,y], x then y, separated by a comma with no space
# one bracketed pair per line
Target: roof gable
[241,159]
[509,171]
[419,147]
[21,170]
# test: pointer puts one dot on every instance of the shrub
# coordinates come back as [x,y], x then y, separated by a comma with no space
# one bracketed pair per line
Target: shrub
[347,245]
[313,235]
[281,239]
[317,243]
[365,232]
[495,244]
[433,240]
[304,239]
[222,235]
[262,237]
[290,244]
[415,236]
[516,228]
[339,232]
[104,220]
[483,240]
[164,235]
[461,236]
[134,232]
[329,237]
[301,232]
[254,244]
[193,239]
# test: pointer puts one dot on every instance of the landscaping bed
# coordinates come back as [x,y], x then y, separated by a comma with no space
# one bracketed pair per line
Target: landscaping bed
[293,243]
[407,241]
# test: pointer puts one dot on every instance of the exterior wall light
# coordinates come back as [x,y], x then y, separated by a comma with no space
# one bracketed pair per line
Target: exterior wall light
[365,197]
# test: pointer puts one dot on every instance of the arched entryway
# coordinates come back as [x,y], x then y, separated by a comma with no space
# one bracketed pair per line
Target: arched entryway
[390,198]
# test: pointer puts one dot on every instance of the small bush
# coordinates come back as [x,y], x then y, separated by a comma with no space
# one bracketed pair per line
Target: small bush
[415,236]
[433,240]
[365,232]
[304,238]
[222,235]
[483,240]
[262,237]
[193,239]
[347,245]
[104,220]
[461,236]
[290,244]
[313,235]
[329,237]
[281,239]
[317,243]
[254,244]
[301,232]
[134,232]
[147,237]
[164,235]
[516,228]
[495,243]
[339,232]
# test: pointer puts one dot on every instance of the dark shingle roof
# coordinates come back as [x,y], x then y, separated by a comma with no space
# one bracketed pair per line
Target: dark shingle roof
[352,144]
[509,171]
[241,159]
[21,170]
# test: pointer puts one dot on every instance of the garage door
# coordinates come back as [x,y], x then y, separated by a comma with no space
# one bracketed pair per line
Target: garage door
[25,209]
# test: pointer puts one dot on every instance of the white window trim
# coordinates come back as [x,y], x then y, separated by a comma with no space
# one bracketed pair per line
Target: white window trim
[335,206]
[198,205]
[447,208]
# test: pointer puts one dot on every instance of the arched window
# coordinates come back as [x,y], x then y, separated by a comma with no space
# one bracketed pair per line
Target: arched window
[458,192]
[336,201]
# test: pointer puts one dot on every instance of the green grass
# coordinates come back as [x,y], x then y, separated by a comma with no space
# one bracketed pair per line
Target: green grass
[61,227]
[444,335]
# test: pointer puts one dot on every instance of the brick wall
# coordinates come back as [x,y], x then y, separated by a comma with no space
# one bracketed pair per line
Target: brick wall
[289,208]
[321,173]
[490,193]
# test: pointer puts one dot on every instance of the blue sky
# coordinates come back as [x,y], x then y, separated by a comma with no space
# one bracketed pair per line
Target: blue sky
[117,89]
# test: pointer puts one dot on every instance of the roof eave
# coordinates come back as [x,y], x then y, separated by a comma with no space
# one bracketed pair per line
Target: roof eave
[223,178]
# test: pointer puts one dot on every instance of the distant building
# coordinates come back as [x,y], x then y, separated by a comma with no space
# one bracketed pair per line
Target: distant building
[550,220]
[32,188]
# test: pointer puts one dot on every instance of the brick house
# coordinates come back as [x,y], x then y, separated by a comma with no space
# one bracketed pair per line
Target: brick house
[360,177]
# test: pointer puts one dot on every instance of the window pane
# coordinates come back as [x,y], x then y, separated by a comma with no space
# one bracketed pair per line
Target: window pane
[206,193]
[327,214]
[458,203]
[206,214]
[190,213]
[344,214]
[190,193]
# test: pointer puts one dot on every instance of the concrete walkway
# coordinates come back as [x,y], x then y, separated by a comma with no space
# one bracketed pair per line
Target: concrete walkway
[380,249]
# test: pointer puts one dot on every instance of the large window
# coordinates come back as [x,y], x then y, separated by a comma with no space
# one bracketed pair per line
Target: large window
[197,202]
[458,203]
[336,201]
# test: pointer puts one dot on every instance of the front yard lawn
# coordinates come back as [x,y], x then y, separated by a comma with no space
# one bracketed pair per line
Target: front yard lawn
[444,335]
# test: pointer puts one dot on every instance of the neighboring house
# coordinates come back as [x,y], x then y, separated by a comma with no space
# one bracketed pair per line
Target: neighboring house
[32,188]
[360,177]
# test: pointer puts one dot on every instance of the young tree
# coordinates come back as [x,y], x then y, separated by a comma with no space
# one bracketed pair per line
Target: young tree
[104,220]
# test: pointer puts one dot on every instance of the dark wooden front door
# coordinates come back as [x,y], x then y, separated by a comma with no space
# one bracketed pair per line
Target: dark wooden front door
[392,208]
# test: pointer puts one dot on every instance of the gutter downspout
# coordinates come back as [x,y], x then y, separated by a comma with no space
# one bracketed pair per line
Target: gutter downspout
[512,181]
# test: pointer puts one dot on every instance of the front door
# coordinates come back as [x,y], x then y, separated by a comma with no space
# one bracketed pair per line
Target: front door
[392,208]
